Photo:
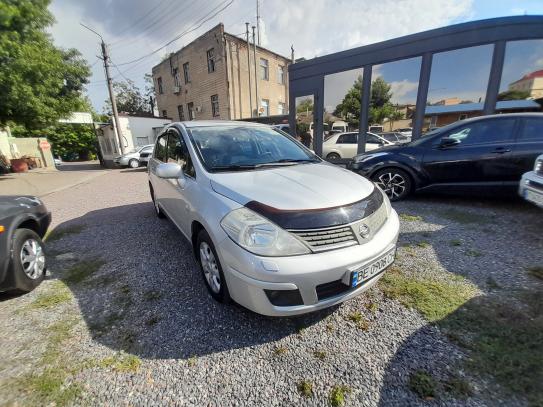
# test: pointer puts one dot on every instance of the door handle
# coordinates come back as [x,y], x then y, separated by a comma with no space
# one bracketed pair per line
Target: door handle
[501,150]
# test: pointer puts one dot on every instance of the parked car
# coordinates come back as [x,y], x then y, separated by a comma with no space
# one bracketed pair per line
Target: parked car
[376,128]
[395,137]
[406,131]
[23,223]
[273,226]
[58,161]
[132,158]
[345,145]
[531,184]
[145,154]
[283,127]
[488,153]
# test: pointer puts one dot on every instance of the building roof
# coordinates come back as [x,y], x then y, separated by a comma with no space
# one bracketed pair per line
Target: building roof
[474,107]
[531,75]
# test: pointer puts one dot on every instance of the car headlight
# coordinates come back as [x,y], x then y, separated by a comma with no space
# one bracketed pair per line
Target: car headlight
[538,167]
[364,157]
[259,236]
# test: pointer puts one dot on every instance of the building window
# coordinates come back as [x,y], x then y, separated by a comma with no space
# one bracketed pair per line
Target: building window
[164,113]
[281,74]
[211,60]
[265,107]
[463,116]
[264,74]
[190,110]
[180,112]
[282,108]
[175,73]
[215,105]
[159,82]
[186,72]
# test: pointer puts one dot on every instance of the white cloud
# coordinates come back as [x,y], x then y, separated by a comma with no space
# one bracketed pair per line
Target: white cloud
[401,88]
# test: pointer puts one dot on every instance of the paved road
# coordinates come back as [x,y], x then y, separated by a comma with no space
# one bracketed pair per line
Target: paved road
[146,332]
[41,182]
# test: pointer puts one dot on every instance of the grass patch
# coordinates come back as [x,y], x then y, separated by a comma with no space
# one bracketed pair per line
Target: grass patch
[152,295]
[337,395]
[121,362]
[280,350]
[463,217]
[305,388]
[320,354]
[458,388]
[192,361]
[423,244]
[83,269]
[59,233]
[422,383]
[48,387]
[473,253]
[372,307]
[536,271]
[432,298]
[456,242]
[330,327]
[355,317]
[57,294]
[410,218]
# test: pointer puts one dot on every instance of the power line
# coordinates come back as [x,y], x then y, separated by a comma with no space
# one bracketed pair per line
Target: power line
[145,15]
[206,19]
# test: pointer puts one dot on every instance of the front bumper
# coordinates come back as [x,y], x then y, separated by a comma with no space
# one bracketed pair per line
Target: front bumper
[531,188]
[122,160]
[248,275]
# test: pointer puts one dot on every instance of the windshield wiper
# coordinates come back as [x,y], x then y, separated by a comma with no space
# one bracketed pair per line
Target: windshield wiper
[234,167]
[288,161]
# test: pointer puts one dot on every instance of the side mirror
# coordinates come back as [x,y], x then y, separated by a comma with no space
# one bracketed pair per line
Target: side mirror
[169,171]
[448,142]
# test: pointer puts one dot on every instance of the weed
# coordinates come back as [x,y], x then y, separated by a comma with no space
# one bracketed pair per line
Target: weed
[152,295]
[463,217]
[410,218]
[59,233]
[492,284]
[337,395]
[329,327]
[536,271]
[320,354]
[423,244]
[372,307]
[305,387]
[456,242]
[57,294]
[422,383]
[83,269]
[355,317]
[121,362]
[280,350]
[48,387]
[192,361]
[473,253]
[458,387]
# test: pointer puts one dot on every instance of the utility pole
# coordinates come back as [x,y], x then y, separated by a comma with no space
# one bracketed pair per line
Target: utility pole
[256,76]
[105,58]
[249,69]
[292,53]
[258,21]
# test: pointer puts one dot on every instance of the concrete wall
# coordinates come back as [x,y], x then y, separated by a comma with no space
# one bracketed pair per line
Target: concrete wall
[30,147]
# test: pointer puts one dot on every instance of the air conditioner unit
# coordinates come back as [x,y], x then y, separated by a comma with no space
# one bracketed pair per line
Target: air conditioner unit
[198,109]
[176,89]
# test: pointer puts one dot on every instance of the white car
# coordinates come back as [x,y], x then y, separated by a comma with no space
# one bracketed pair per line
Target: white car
[345,145]
[406,131]
[133,158]
[273,227]
[531,184]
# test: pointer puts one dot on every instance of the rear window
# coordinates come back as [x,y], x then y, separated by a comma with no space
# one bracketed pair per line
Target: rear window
[532,130]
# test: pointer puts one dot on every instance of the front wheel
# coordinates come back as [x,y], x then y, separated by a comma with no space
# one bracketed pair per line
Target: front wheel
[28,260]
[395,182]
[211,268]
[333,156]
[133,163]
[158,211]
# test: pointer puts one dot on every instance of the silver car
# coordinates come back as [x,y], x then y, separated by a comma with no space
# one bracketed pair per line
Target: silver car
[531,184]
[136,157]
[273,227]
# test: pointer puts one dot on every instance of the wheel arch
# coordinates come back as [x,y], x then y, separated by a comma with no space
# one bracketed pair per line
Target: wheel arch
[195,229]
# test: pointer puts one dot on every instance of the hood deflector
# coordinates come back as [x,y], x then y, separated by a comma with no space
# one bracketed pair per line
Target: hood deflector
[322,217]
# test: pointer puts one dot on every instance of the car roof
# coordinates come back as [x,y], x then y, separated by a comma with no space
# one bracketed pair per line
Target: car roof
[213,123]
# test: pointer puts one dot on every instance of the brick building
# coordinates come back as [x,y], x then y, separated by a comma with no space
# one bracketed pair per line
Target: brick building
[209,79]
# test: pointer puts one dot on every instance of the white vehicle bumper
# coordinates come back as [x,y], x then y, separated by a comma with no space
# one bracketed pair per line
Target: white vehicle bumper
[531,188]
[248,275]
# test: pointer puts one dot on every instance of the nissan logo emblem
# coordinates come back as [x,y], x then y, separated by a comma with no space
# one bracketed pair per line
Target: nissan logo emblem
[364,230]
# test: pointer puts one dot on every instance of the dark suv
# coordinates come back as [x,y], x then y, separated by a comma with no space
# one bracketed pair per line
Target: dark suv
[474,155]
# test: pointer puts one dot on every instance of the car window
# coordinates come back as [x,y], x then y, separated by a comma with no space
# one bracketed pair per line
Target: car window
[179,154]
[348,138]
[532,130]
[147,150]
[371,138]
[484,131]
[161,148]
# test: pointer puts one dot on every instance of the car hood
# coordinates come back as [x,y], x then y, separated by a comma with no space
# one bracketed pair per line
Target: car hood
[11,204]
[303,186]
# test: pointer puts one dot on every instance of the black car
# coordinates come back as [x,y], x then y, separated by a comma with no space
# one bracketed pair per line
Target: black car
[23,222]
[474,155]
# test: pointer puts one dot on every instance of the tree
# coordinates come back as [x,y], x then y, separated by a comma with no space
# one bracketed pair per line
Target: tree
[305,106]
[129,99]
[514,95]
[39,83]
[380,106]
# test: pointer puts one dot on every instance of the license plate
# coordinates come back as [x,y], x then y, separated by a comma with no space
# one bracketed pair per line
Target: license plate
[533,197]
[368,271]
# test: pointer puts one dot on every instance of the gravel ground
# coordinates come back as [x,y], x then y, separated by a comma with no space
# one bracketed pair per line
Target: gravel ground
[148,300]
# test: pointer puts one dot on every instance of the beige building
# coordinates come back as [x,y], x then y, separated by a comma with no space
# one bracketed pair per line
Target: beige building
[209,79]
[531,83]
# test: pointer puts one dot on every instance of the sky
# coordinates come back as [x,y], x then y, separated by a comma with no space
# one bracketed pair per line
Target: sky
[136,28]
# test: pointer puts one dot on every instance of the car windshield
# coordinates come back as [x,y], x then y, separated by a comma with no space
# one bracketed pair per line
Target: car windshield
[228,148]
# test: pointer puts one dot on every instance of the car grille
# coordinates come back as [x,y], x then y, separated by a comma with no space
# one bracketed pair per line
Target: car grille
[331,289]
[328,239]
[145,155]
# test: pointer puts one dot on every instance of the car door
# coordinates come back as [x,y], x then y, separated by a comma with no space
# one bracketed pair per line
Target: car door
[373,142]
[482,155]
[528,145]
[179,194]
[159,156]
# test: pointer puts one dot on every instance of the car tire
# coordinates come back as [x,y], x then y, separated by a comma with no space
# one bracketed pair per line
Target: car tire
[396,183]
[211,269]
[133,163]
[333,156]
[27,264]
[158,211]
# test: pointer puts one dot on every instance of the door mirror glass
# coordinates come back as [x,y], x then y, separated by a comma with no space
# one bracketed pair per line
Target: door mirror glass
[448,142]
[169,171]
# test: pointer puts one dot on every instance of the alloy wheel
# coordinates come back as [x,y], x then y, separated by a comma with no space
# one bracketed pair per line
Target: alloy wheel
[210,267]
[393,184]
[32,258]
